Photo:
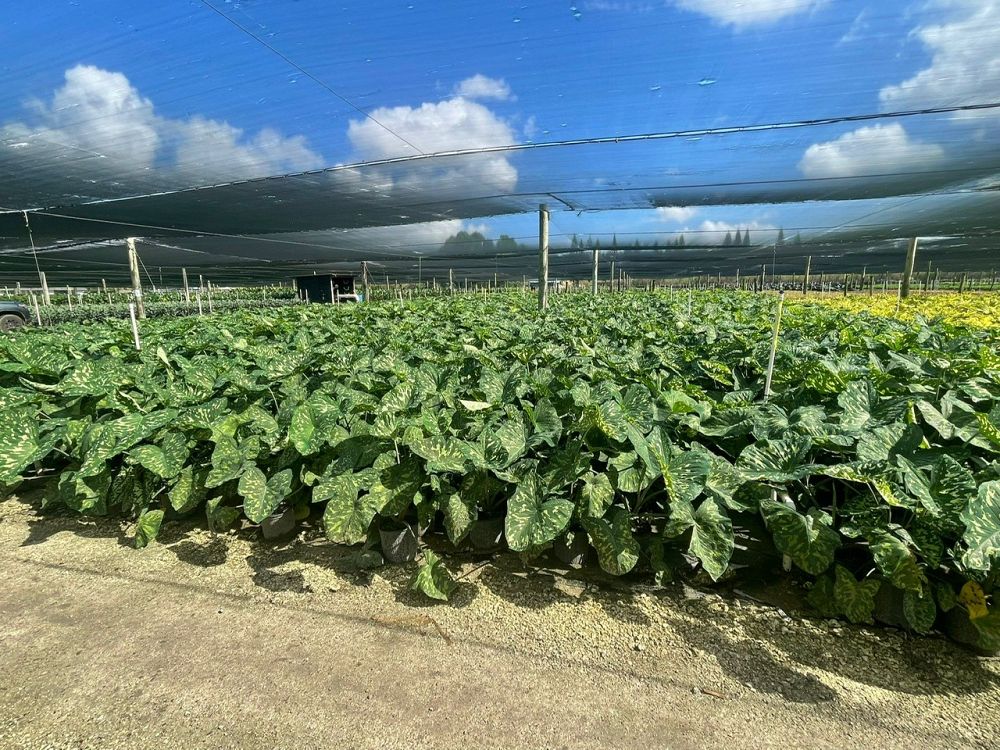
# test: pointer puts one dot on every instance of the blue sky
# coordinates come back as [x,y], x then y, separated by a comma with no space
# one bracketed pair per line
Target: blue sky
[107,98]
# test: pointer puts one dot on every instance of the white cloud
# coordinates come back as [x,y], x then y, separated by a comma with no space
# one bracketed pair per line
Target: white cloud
[100,113]
[483,87]
[675,213]
[871,150]
[965,61]
[95,111]
[424,237]
[858,30]
[714,232]
[742,13]
[230,155]
[448,125]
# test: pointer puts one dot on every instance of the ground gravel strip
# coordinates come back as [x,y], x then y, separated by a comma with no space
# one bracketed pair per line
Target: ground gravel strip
[228,641]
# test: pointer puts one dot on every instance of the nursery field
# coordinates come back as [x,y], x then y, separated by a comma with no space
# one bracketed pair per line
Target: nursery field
[633,427]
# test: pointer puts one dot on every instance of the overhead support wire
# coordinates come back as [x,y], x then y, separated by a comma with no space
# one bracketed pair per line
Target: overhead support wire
[309,75]
[598,140]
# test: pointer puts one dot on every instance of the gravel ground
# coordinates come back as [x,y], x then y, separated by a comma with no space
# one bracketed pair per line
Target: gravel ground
[228,641]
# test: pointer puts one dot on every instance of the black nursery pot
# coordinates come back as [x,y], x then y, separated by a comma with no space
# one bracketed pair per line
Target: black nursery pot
[279,525]
[486,534]
[399,545]
[573,551]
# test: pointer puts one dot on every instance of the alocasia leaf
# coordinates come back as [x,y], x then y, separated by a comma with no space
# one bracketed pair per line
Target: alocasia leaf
[533,520]
[596,494]
[982,527]
[261,496]
[148,527]
[896,561]
[855,599]
[712,539]
[806,538]
[611,536]
[432,578]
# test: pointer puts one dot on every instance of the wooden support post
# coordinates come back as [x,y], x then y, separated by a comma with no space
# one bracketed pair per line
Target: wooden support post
[135,326]
[805,278]
[847,283]
[46,297]
[775,330]
[595,265]
[38,312]
[763,275]
[864,278]
[187,289]
[543,256]
[737,279]
[133,268]
[451,282]
[611,277]
[993,279]
[210,310]
[961,284]
[364,279]
[911,259]
[927,278]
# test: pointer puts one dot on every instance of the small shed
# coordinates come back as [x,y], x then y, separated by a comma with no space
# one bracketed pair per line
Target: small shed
[325,287]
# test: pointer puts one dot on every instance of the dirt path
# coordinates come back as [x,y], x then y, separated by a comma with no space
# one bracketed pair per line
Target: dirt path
[230,643]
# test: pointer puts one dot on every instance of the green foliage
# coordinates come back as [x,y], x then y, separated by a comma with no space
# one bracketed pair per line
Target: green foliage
[432,578]
[626,418]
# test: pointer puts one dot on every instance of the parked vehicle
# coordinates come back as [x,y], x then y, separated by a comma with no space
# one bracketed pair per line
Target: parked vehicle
[13,315]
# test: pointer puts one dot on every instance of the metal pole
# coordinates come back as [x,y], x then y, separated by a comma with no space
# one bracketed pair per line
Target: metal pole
[911,259]
[133,267]
[543,256]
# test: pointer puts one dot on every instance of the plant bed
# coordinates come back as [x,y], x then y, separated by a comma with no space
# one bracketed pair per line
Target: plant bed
[874,461]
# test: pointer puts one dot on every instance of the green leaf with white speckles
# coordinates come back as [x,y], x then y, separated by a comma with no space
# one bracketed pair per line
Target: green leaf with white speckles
[432,578]
[347,515]
[531,519]
[596,494]
[611,536]
[166,459]
[148,527]
[982,527]
[856,599]
[806,538]
[897,562]
[919,610]
[261,496]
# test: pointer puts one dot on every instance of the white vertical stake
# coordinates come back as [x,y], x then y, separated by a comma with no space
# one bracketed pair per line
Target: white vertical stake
[197,296]
[135,326]
[38,312]
[774,345]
